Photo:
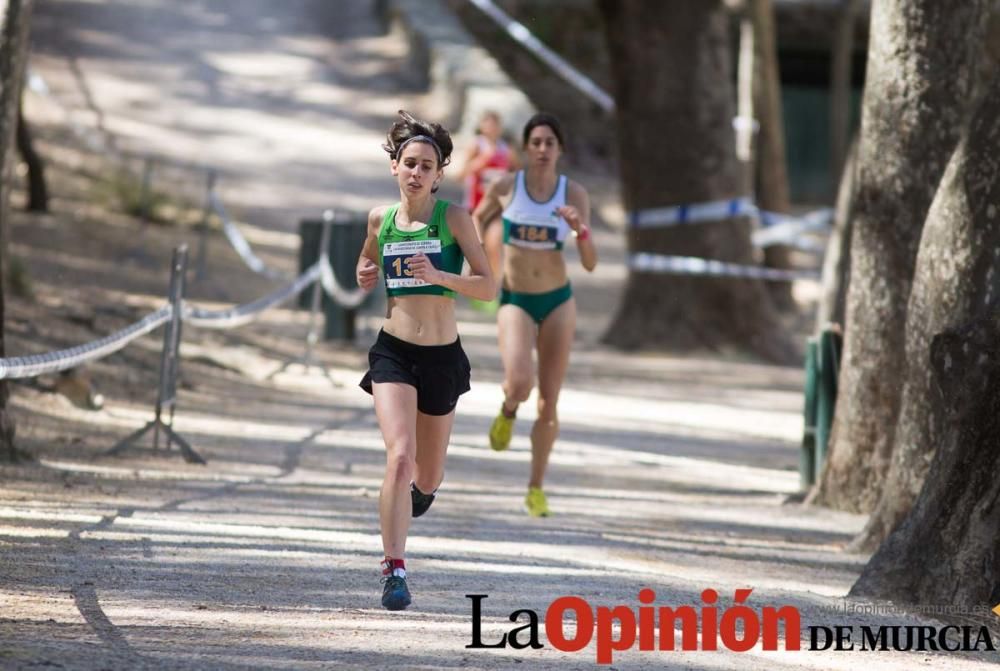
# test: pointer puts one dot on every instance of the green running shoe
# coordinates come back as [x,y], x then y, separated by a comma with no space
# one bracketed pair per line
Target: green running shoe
[536,503]
[500,432]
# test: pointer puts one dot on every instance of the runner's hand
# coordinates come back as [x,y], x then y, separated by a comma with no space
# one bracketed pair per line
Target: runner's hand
[571,215]
[423,269]
[367,274]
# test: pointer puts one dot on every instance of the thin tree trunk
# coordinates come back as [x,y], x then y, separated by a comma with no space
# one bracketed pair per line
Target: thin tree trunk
[920,72]
[746,105]
[841,61]
[38,193]
[16,16]
[676,144]
[772,168]
[957,277]
[837,262]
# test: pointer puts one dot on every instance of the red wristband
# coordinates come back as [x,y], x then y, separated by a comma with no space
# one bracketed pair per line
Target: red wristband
[583,233]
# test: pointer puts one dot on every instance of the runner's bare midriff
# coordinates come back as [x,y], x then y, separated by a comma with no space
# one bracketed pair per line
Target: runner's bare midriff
[533,271]
[421,320]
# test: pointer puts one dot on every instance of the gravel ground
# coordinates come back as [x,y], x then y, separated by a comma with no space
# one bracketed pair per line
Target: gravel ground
[672,473]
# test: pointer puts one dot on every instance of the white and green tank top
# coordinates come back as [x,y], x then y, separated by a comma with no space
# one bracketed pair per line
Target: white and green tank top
[434,239]
[530,224]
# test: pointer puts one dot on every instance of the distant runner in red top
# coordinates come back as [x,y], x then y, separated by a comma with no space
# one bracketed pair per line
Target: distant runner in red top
[488,159]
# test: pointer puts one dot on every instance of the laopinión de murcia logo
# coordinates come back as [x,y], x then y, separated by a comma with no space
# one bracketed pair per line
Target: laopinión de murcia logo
[738,628]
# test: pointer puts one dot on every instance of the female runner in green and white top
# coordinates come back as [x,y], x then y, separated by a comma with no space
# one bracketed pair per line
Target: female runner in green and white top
[417,368]
[539,207]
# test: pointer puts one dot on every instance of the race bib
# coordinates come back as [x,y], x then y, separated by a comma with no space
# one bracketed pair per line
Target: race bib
[395,257]
[534,232]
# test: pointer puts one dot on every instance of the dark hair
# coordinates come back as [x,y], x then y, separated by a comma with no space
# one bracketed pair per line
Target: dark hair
[544,119]
[408,127]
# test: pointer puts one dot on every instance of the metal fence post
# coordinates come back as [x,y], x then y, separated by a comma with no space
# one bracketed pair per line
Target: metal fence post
[166,398]
[807,453]
[317,294]
[315,302]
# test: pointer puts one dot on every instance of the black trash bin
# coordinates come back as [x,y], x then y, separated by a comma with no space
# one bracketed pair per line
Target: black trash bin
[347,233]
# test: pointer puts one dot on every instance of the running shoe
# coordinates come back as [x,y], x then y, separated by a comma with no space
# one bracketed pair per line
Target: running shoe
[536,503]
[421,502]
[501,431]
[395,593]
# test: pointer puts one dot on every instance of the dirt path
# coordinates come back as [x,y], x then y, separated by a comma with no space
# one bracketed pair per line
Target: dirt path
[671,473]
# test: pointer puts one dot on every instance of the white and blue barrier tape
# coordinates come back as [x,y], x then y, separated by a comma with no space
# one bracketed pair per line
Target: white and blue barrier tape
[776,228]
[785,229]
[691,265]
[674,215]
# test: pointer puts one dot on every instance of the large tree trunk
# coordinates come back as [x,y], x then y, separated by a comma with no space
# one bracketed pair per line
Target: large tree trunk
[16,15]
[957,276]
[920,72]
[671,62]
[945,553]
[772,170]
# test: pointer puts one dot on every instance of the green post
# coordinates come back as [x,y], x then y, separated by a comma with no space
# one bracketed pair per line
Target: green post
[807,454]
[828,367]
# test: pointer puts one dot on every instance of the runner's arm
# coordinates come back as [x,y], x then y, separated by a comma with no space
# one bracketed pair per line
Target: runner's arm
[479,282]
[491,206]
[576,212]
[366,270]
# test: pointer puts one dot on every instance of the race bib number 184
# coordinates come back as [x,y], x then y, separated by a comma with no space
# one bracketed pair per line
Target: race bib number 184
[395,257]
[534,232]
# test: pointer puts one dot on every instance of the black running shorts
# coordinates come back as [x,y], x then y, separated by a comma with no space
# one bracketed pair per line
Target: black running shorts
[440,373]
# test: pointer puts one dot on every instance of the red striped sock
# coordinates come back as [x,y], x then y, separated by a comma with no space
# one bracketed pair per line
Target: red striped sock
[395,567]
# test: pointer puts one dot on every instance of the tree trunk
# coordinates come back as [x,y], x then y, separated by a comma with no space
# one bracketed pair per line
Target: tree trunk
[38,193]
[841,61]
[920,72]
[772,169]
[945,552]
[837,261]
[957,276]
[13,58]
[670,64]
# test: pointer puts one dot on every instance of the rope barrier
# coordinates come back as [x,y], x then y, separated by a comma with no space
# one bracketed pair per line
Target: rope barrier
[348,299]
[52,362]
[246,313]
[240,243]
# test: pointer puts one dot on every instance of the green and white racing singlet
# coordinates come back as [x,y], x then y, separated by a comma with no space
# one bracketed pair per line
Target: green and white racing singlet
[434,240]
[530,224]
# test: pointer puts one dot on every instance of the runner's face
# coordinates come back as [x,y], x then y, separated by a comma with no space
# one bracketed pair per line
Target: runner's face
[417,169]
[543,147]
[490,128]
